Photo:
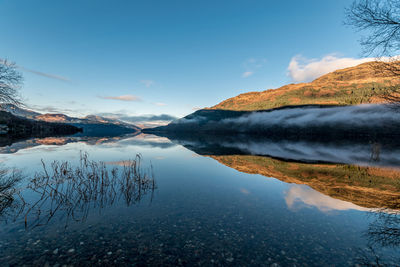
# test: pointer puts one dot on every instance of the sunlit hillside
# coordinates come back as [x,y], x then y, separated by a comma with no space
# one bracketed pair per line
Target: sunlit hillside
[366,83]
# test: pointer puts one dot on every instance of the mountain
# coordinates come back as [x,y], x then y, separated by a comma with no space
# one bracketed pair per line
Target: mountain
[14,128]
[98,119]
[329,107]
[92,125]
[17,111]
[310,122]
[55,118]
[365,83]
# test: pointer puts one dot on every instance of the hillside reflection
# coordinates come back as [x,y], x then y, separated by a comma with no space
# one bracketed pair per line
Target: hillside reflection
[366,174]
[361,176]
[13,146]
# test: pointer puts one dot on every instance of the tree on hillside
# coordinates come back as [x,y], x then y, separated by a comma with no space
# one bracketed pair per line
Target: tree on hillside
[10,82]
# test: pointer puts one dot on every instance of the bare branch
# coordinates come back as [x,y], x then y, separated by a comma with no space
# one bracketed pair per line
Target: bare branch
[380,19]
[10,82]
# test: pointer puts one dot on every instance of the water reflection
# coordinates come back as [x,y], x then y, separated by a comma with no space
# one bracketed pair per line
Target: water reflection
[314,212]
[383,232]
[372,184]
[14,146]
[70,192]
[73,191]
[328,176]
[299,196]
[364,152]
[9,179]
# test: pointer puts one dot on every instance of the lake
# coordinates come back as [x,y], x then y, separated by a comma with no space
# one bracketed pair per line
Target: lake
[213,202]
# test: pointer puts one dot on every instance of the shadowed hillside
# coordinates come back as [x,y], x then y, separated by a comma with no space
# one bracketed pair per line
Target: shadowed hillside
[16,127]
[365,83]
[312,122]
[91,125]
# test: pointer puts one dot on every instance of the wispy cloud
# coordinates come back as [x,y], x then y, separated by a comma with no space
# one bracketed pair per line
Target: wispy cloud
[147,83]
[247,74]
[54,109]
[44,74]
[47,75]
[302,69]
[160,104]
[122,98]
[251,65]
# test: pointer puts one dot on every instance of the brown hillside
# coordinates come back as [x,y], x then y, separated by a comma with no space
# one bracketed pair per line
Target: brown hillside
[52,117]
[365,83]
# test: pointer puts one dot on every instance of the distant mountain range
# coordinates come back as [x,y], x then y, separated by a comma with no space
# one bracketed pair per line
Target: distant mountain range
[14,128]
[20,112]
[92,125]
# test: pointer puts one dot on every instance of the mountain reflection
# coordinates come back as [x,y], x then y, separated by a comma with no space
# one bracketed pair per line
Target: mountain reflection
[131,139]
[365,174]
[362,176]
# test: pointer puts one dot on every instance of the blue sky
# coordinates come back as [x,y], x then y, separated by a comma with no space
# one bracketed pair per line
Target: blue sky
[154,57]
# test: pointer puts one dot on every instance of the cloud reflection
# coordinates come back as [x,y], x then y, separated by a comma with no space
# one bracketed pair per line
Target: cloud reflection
[299,196]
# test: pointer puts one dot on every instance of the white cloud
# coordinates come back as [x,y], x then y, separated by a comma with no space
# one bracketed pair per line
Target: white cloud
[247,74]
[122,98]
[147,83]
[302,69]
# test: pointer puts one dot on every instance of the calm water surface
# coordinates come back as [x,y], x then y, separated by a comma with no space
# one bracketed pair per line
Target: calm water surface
[207,208]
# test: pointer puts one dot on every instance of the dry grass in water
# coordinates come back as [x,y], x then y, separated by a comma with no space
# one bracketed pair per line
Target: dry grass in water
[74,190]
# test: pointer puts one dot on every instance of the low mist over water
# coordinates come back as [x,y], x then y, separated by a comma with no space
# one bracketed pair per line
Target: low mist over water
[367,115]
